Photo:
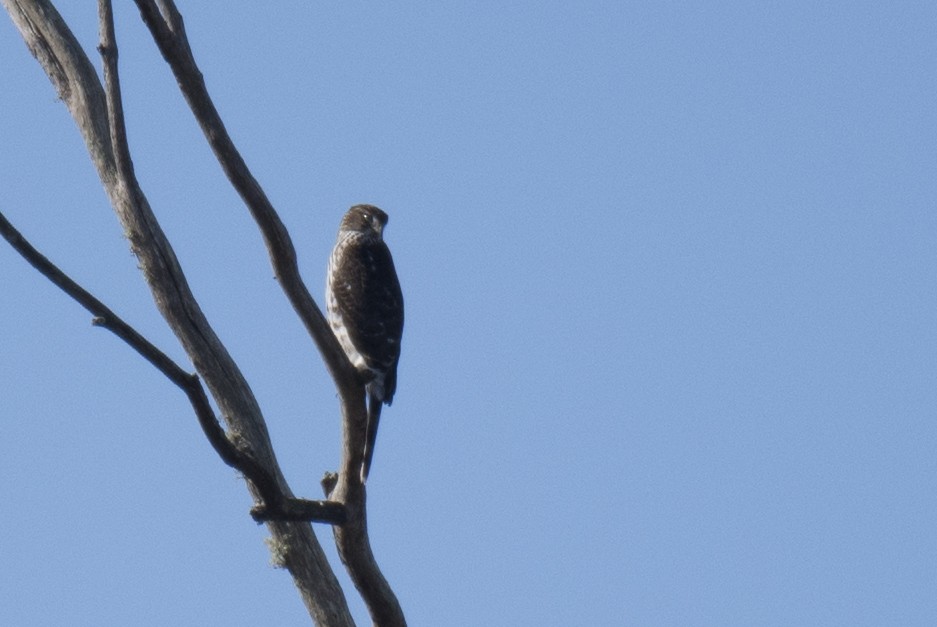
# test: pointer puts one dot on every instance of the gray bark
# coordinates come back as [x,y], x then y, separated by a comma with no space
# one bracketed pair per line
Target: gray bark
[98,115]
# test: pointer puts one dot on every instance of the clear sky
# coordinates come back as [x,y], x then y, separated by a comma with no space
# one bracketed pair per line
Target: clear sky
[670,352]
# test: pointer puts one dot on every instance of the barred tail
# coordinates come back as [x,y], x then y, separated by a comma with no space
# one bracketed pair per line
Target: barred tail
[374,416]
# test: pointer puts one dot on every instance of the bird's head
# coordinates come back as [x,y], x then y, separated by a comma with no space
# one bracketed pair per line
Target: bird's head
[366,219]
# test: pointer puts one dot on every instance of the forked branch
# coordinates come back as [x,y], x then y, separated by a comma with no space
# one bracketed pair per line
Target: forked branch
[275,505]
[168,30]
[98,115]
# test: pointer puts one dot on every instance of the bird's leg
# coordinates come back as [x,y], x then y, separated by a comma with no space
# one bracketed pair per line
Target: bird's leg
[365,375]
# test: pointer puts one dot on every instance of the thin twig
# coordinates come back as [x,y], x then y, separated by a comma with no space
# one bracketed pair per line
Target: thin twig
[115,108]
[103,316]
[275,506]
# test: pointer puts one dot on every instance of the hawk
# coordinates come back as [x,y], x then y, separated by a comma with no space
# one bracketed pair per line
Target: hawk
[365,307]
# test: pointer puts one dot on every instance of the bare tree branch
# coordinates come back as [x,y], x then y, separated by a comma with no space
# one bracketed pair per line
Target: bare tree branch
[100,122]
[275,505]
[167,28]
[99,115]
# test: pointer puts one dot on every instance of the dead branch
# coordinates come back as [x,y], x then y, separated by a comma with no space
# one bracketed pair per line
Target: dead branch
[168,31]
[275,505]
[99,116]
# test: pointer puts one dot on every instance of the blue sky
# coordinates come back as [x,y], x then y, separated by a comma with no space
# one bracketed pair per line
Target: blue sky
[670,349]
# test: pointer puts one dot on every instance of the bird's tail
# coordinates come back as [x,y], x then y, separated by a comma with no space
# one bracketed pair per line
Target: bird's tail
[374,416]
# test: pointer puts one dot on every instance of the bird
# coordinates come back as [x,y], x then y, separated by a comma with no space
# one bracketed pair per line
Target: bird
[365,310]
